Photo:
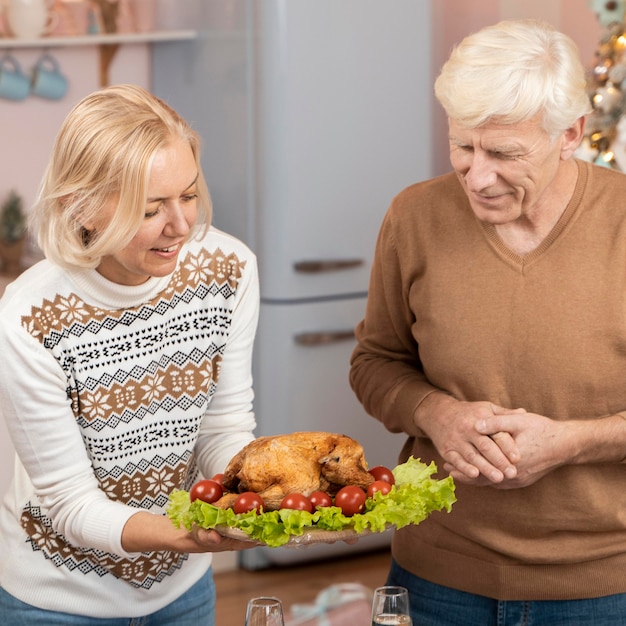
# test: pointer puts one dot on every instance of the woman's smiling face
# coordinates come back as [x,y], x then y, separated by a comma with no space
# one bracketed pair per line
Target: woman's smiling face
[170,215]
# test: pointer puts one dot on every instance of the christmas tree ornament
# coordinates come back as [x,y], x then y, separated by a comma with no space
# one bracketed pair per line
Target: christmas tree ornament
[604,142]
[608,11]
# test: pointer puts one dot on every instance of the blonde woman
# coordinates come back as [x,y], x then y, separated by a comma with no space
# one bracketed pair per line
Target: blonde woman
[125,373]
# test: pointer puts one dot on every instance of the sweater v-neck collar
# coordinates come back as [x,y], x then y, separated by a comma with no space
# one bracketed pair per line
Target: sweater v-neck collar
[553,235]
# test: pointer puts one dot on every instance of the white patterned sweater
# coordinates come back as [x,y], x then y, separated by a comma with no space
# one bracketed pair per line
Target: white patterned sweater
[113,396]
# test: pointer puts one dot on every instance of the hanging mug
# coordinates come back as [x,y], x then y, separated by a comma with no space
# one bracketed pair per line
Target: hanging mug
[29,19]
[48,81]
[14,84]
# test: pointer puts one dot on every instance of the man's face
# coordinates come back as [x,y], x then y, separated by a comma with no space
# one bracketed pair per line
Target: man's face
[506,170]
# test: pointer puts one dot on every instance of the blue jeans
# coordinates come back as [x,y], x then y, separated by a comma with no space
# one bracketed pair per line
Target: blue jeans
[194,608]
[434,605]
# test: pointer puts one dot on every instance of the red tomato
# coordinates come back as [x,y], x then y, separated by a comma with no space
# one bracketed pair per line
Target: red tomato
[378,485]
[207,491]
[297,501]
[248,501]
[320,498]
[383,473]
[219,478]
[350,499]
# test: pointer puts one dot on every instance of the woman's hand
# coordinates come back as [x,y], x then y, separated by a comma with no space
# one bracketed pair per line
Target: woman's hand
[215,542]
[147,532]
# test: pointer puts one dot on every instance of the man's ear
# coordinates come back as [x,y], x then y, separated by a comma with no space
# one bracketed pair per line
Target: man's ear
[572,137]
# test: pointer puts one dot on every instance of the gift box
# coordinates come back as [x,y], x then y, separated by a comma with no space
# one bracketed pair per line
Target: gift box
[346,604]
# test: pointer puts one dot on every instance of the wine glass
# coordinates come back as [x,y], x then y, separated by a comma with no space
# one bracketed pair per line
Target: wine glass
[390,606]
[264,611]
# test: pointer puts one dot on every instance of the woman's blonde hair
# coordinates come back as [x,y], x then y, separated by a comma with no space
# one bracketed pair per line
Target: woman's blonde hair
[103,153]
[511,72]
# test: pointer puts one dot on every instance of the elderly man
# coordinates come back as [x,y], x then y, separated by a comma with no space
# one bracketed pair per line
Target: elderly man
[495,338]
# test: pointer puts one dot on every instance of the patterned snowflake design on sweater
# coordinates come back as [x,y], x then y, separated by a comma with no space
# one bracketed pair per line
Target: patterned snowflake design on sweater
[138,381]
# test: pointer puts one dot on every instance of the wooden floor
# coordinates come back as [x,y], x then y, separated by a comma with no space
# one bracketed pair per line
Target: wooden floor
[294,584]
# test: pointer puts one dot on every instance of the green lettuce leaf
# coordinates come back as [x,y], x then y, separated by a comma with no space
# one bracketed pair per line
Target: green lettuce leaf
[411,500]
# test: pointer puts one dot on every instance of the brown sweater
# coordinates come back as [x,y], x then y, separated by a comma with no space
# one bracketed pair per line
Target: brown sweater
[451,308]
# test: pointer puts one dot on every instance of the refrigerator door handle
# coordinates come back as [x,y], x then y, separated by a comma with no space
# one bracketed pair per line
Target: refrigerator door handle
[323,338]
[315,266]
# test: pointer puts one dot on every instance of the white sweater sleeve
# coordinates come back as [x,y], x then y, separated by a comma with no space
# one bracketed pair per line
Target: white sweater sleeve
[37,411]
[229,422]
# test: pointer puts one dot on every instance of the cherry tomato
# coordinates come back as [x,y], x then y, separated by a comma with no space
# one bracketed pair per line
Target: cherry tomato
[248,501]
[207,491]
[350,499]
[320,498]
[378,485]
[298,502]
[219,479]
[380,472]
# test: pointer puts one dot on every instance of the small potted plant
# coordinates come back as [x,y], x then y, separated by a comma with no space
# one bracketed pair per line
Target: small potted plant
[12,233]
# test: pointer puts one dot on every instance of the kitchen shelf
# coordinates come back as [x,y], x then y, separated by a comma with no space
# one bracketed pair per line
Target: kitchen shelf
[97,39]
[108,43]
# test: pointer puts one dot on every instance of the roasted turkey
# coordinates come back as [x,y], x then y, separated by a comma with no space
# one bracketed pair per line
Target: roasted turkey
[303,462]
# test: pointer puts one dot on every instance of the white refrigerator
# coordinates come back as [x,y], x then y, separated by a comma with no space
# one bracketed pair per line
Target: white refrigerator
[313,114]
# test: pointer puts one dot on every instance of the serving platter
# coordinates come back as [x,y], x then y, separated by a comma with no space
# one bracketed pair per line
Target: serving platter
[307,538]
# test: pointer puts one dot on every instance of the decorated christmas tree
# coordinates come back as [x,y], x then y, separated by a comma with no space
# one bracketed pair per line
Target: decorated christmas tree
[605,134]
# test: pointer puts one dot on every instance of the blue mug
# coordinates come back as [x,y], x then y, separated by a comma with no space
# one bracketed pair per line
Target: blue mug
[48,81]
[14,84]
